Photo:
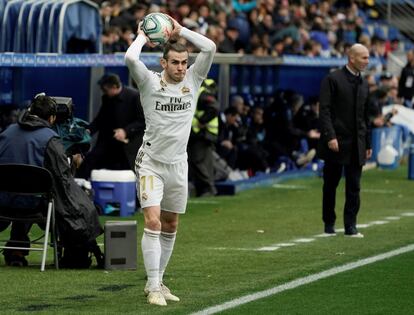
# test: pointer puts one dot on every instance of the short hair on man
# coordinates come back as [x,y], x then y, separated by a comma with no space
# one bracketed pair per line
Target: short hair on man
[43,106]
[174,46]
[232,111]
[110,79]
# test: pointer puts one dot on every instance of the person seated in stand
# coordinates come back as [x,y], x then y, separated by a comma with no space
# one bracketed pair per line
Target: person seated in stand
[33,141]
[254,156]
[227,142]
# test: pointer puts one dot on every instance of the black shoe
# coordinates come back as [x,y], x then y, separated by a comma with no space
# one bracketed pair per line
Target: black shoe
[353,232]
[330,230]
[15,261]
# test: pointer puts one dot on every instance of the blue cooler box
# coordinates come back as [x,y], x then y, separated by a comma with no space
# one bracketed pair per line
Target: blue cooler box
[114,190]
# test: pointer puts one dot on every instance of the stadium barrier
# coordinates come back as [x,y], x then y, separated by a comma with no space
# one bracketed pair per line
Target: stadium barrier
[75,75]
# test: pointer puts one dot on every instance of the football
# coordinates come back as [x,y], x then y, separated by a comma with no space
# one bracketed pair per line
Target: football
[157,27]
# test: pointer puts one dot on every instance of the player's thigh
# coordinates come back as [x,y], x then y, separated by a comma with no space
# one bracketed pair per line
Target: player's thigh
[150,186]
[176,188]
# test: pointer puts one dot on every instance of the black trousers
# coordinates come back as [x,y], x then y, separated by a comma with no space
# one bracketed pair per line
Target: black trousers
[332,173]
[19,233]
[201,166]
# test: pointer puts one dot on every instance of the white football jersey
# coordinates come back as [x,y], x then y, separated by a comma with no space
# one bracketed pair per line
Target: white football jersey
[169,108]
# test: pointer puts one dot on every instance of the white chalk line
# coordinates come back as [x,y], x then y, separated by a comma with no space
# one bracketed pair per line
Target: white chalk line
[302,281]
[274,247]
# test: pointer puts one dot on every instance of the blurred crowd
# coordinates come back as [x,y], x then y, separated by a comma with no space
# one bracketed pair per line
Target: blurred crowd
[260,27]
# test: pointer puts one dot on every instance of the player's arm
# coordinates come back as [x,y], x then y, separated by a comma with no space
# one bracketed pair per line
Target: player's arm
[137,68]
[207,47]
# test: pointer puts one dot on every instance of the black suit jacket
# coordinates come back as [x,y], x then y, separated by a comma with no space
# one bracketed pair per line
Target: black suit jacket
[122,111]
[344,116]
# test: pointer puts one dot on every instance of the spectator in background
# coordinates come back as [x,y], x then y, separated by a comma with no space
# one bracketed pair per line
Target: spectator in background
[345,142]
[231,42]
[253,155]
[203,136]
[110,40]
[406,83]
[8,116]
[243,109]
[243,6]
[227,141]
[306,118]
[215,33]
[182,10]
[377,100]
[106,13]
[283,139]
[120,123]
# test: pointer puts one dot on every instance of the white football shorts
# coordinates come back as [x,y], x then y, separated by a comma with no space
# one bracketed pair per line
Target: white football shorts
[162,184]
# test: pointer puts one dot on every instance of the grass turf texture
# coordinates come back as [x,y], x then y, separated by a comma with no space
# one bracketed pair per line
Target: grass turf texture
[214,260]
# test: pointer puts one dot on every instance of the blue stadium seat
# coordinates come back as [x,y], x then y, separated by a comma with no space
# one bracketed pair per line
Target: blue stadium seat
[10,16]
[42,29]
[53,24]
[78,19]
[32,23]
[2,6]
[20,28]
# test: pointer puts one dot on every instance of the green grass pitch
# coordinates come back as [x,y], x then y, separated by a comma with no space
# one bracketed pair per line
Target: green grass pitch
[226,248]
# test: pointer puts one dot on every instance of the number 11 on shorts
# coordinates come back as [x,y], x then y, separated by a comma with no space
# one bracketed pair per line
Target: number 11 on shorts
[144,180]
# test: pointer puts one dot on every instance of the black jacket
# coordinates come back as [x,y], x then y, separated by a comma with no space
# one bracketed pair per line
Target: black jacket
[122,111]
[406,82]
[344,116]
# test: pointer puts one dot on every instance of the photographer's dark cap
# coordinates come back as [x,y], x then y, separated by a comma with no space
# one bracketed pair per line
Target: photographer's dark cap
[109,79]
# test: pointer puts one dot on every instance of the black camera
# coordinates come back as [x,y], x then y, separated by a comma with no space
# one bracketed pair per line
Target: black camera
[64,108]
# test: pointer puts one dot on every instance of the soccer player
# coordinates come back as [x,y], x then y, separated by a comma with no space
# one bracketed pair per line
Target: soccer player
[169,101]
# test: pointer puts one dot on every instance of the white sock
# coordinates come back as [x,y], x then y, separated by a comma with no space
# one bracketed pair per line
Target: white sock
[167,241]
[151,252]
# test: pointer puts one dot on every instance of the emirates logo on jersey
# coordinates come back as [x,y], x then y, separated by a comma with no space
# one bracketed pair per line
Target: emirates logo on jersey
[185,90]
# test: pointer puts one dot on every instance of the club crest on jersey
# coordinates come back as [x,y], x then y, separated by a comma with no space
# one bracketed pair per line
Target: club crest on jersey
[144,196]
[185,90]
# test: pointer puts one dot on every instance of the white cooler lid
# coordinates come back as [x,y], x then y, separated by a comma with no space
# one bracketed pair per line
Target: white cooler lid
[112,176]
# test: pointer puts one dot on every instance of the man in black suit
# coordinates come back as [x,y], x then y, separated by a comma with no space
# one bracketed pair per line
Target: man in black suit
[120,123]
[345,142]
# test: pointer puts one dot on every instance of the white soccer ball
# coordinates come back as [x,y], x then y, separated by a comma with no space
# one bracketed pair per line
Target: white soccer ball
[157,27]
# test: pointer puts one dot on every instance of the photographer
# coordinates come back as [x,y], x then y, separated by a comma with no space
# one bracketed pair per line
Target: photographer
[33,141]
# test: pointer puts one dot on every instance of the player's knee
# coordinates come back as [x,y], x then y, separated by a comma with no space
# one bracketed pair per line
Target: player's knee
[170,226]
[153,224]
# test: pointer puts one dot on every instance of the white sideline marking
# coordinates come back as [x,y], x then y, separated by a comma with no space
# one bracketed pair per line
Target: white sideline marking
[378,191]
[324,235]
[284,244]
[303,240]
[267,248]
[379,222]
[302,281]
[274,247]
[283,186]
[392,218]
[212,202]
[232,248]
